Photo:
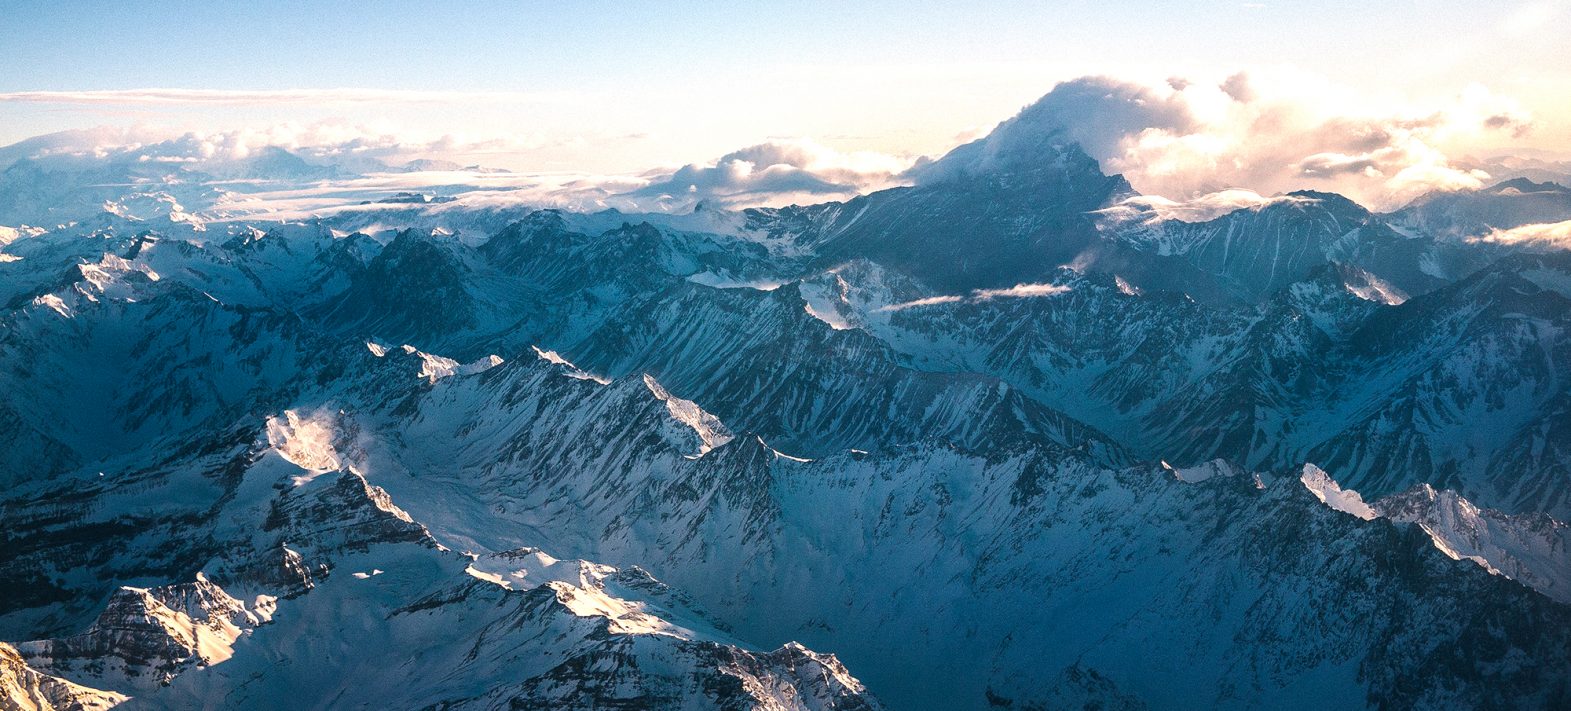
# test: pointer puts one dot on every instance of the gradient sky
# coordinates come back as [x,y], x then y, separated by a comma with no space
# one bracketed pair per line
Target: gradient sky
[628,85]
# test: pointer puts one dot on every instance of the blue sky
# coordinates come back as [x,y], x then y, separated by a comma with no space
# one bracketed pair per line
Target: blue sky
[527,45]
[619,86]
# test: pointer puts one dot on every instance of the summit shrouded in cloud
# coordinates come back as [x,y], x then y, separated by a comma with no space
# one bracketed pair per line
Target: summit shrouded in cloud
[1186,139]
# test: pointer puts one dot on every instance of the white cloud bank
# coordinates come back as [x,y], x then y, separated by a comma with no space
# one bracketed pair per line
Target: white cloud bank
[326,142]
[280,96]
[1550,235]
[1195,148]
[1264,135]
[1153,208]
[774,173]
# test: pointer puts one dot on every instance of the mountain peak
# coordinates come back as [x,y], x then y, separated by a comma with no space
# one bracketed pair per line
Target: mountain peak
[1335,202]
[1062,135]
[1029,160]
[1523,185]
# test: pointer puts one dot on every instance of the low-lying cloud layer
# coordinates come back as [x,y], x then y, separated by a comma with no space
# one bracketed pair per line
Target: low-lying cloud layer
[354,146]
[772,173]
[1195,148]
[256,97]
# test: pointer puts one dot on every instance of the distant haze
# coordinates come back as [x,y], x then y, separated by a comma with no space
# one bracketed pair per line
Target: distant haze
[1380,102]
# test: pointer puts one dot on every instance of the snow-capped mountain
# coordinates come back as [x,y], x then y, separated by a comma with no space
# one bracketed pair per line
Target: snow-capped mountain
[1473,213]
[997,439]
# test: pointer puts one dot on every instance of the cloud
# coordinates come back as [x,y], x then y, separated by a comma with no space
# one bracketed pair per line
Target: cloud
[1098,113]
[1237,87]
[1549,235]
[772,173]
[359,147]
[1267,133]
[281,96]
[917,303]
[1155,208]
[1018,291]
[1334,164]
[1205,144]
[468,190]
[776,172]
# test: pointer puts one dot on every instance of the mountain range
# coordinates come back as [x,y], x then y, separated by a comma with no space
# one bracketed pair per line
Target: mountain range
[1005,437]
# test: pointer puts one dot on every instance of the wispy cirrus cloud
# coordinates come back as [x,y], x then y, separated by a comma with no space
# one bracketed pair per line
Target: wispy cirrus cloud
[267,96]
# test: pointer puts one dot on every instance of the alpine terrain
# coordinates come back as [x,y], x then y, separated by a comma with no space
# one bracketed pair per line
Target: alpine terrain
[1005,436]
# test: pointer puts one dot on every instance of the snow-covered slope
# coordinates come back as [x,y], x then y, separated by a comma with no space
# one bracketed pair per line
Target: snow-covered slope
[1462,214]
[308,577]
[1532,548]
[26,689]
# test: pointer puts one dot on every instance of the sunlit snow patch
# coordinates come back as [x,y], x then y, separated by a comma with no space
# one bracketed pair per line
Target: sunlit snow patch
[12,234]
[432,367]
[479,366]
[107,277]
[195,623]
[435,367]
[54,303]
[1532,549]
[1203,471]
[1372,288]
[824,305]
[571,371]
[834,320]
[1332,494]
[306,442]
[711,431]
[582,587]
[782,455]
[721,281]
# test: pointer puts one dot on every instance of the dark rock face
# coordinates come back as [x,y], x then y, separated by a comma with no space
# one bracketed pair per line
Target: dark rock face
[144,638]
[415,287]
[971,231]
